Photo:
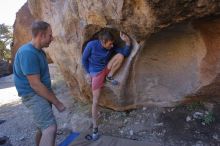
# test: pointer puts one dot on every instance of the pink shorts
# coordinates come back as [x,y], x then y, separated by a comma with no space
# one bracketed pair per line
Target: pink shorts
[98,80]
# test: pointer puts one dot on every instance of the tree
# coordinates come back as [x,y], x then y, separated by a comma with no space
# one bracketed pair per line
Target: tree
[5,41]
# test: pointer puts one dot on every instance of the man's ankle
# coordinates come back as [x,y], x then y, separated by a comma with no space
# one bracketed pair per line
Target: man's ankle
[95,130]
[110,75]
[109,78]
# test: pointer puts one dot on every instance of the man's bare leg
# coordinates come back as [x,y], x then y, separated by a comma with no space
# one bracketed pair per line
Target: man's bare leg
[113,65]
[96,95]
[49,136]
[38,137]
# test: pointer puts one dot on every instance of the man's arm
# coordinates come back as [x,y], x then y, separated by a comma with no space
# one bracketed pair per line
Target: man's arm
[85,61]
[43,91]
[126,50]
[85,58]
[31,69]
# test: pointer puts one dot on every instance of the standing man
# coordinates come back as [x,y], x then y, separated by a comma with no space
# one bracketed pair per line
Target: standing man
[96,61]
[32,81]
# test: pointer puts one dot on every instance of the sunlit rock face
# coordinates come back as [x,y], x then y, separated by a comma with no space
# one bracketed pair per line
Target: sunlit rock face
[173,55]
[22,28]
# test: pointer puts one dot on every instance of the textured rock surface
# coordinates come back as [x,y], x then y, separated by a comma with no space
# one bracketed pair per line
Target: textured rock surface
[168,66]
[5,68]
[210,65]
[174,62]
[22,25]
[22,29]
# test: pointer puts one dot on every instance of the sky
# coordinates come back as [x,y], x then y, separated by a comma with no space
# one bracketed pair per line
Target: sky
[8,9]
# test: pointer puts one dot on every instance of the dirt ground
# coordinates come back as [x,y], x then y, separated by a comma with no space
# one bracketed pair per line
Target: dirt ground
[194,124]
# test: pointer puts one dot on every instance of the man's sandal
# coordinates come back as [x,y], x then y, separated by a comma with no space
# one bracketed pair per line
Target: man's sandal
[91,137]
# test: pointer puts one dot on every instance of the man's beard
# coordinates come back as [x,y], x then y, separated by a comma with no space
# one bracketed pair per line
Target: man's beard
[46,45]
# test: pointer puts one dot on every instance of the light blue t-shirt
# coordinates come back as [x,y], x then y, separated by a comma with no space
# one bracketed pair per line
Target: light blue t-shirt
[29,61]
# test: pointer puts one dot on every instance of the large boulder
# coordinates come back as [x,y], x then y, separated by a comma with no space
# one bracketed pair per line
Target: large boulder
[5,68]
[175,54]
[22,29]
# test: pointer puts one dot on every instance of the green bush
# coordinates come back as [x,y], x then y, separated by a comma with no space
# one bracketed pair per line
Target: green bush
[5,41]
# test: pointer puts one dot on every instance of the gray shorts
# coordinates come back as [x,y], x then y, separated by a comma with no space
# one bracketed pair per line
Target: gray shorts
[41,110]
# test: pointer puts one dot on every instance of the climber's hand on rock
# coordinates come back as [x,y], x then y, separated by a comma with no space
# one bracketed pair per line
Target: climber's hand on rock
[125,38]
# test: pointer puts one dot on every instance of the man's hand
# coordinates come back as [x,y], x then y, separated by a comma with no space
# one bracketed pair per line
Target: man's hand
[60,107]
[43,91]
[88,79]
[125,38]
